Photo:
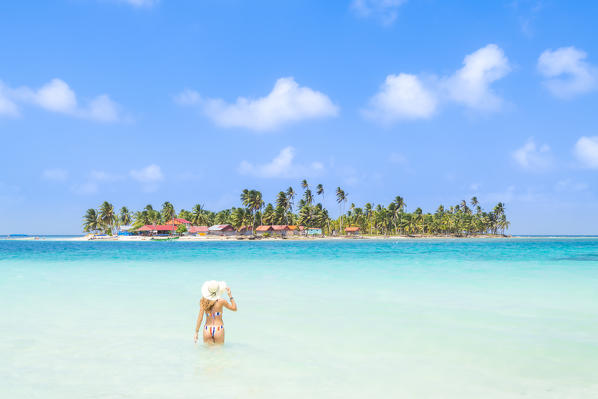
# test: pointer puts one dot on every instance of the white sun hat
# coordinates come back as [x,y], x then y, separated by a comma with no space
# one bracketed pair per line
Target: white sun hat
[213,289]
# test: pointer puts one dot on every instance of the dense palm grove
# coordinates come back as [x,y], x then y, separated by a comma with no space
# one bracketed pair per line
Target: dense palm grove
[463,219]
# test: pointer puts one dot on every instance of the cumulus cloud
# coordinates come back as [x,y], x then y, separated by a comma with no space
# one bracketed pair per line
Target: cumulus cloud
[533,156]
[55,174]
[384,10]
[586,151]
[470,85]
[57,96]
[402,96]
[281,166]
[287,102]
[406,96]
[567,73]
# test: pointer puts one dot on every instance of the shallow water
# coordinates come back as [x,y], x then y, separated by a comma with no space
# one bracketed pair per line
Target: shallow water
[414,319]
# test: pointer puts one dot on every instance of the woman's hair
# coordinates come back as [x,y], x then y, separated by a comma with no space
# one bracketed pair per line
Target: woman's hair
[207,304]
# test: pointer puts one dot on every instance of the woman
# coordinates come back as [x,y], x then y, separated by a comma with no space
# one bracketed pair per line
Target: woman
[212,305]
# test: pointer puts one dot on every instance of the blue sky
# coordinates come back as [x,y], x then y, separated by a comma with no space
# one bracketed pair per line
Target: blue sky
[138,102]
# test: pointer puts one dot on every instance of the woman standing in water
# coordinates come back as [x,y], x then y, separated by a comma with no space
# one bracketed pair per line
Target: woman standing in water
[212,305]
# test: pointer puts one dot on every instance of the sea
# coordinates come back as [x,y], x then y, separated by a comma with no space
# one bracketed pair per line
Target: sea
[461,318]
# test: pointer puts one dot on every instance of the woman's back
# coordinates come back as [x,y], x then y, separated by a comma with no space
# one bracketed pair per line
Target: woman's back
[212,306]
[214,313]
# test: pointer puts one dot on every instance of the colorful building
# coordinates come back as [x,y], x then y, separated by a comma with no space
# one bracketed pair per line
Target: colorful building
[221,230]
[352,231]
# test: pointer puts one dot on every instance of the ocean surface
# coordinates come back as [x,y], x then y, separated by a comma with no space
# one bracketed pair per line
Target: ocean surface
[504,318]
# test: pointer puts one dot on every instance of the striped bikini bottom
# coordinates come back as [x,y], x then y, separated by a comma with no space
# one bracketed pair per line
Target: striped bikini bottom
[212,329]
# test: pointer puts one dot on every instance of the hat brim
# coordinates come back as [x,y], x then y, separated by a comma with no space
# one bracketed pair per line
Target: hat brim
[206,293]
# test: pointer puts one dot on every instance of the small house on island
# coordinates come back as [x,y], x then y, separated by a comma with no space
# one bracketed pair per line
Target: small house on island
[198,230]
[352,231]
[244,231]
[261,230]
[178,221]
[221,230]
[156,229]
[280,230]
[294,230]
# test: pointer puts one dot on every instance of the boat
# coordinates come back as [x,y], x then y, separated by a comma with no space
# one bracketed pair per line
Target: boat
[164,238]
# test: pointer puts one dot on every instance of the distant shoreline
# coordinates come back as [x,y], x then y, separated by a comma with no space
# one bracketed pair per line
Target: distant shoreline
[270,239]
[292,238]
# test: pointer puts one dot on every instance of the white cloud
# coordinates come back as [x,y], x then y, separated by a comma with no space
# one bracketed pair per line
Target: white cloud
[586,150]
[287,102]
[566,72]
[533,156]
[384,10]
[57,96]
[149,174]
[7,106]
[401,97]
[55,174]
[470,85]
[406,96]
[281,166]
[102,109]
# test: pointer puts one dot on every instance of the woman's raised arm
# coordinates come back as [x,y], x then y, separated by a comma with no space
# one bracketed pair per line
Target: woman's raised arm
[233,305]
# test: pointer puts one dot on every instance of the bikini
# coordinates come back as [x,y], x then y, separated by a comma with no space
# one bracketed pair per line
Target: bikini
[213,329]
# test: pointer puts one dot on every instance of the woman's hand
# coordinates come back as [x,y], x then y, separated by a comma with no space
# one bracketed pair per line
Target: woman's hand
[228,292]
[195,337]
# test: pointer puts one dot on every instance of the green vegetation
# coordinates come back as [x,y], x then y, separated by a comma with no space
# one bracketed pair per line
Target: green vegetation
[463,219]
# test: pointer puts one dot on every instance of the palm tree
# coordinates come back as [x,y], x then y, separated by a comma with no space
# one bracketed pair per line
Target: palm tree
[239,218]
[107,217]
[341,199]
[90,221]
[125,216]
[400,203]
[304,184]
[308,197]
[368,214]
[167,211]
[269,215]
[152,215]
[253,202]
[290,199]
[199,216]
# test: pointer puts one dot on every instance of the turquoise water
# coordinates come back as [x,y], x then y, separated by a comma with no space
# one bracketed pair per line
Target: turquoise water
[327,319]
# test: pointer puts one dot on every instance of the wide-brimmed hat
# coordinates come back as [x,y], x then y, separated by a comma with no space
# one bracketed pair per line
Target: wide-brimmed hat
[213,289]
